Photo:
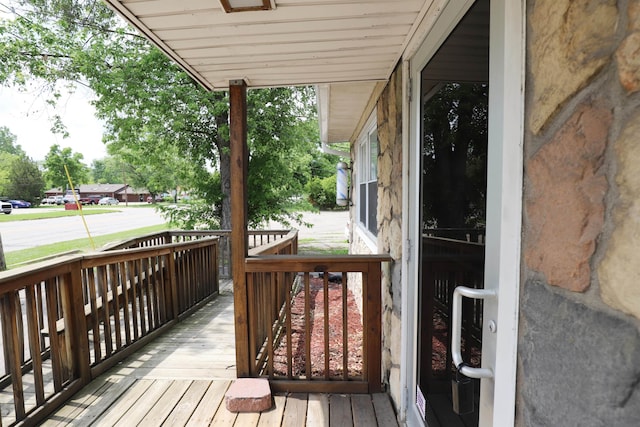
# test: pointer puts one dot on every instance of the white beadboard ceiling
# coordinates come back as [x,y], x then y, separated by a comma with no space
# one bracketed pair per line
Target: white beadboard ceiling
[348,46]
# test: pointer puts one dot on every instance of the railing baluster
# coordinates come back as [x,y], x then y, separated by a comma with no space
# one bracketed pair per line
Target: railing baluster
[325,288]
[268,287]
[34,342]
[119,279]
[104,308]
[307,326]
[51,296]
[142,282]
[95,320]
[345,329]
[10,331]
[133,300]
[253,324]
[288,326]
[149,291]
[41,316]
[126,303]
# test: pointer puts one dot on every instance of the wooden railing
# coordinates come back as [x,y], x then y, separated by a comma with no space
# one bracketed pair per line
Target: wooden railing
[256,238]
[66,321]
[306,332]
[475,235]
[446,264]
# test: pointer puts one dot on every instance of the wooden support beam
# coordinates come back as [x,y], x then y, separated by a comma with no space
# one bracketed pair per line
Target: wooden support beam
[239,237]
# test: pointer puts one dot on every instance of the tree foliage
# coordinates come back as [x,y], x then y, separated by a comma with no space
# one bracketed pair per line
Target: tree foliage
[26,181]
[54,163]
[8,142]
[455,156]
[20,177]
[158,119]
[322,192]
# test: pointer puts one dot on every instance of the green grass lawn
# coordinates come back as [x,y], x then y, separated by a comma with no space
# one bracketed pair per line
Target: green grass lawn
[16,258]
[39,214]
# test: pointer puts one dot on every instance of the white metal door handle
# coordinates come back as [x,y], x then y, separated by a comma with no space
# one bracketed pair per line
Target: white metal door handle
[456,328]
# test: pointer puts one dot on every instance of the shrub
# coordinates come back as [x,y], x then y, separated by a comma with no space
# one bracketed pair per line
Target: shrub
[322,192]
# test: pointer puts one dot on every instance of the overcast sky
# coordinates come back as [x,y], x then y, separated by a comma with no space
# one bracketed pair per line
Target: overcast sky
[29,118]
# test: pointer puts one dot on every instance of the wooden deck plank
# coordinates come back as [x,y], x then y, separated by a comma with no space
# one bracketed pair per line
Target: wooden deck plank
[340,410]
[144,404]
[114,388]
[163,406]
[129,398]
[362,409]
[201,357]
[177,373]
[209,404]
[247,419]
[223,417]
[187,404]
[318,410]
[295,411]
[76,404]
[273,417]
[385,415]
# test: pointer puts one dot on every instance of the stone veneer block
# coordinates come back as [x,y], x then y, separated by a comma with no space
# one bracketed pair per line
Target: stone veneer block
[628,59]
[571,41]
[619,271]
[565,199]
[248,395]
[577,366]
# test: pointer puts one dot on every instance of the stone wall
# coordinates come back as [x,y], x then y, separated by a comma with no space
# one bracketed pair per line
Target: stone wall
[579,349]
[389,218]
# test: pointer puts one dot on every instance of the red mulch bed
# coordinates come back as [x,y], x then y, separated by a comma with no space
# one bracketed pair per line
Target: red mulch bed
[317,340]
[439,348]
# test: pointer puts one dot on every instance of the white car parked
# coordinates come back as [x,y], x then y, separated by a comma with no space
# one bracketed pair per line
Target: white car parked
[108,201]
[5,207]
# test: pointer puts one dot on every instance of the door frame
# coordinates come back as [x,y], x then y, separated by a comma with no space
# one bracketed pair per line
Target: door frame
[504,207]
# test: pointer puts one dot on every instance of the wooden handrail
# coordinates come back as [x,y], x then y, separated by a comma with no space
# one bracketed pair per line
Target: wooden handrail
[256,239]
[84,313]
[275,247]
[313,263]
[278,282]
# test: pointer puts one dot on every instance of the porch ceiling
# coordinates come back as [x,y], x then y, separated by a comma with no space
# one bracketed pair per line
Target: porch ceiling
[300,42]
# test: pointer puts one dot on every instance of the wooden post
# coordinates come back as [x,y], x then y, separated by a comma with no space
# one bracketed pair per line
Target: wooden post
[3,262]
[372,324]
[77,341]
[239,238]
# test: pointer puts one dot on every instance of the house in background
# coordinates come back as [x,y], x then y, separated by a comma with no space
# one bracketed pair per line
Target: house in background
[121,192]
[130,194]
[546,100]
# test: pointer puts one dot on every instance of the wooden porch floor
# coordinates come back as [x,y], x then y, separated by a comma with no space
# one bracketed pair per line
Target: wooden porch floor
[181,377]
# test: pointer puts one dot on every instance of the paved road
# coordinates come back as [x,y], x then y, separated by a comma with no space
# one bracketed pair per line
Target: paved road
[18,235]
[328,228]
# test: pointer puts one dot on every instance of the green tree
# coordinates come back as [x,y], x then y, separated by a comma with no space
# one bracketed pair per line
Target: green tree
[26,180]
[322,192]
[146,99]
[6,160]
[19,175]
[55,162]
[109,170]
[8,142]
[156,167]
[455,156]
